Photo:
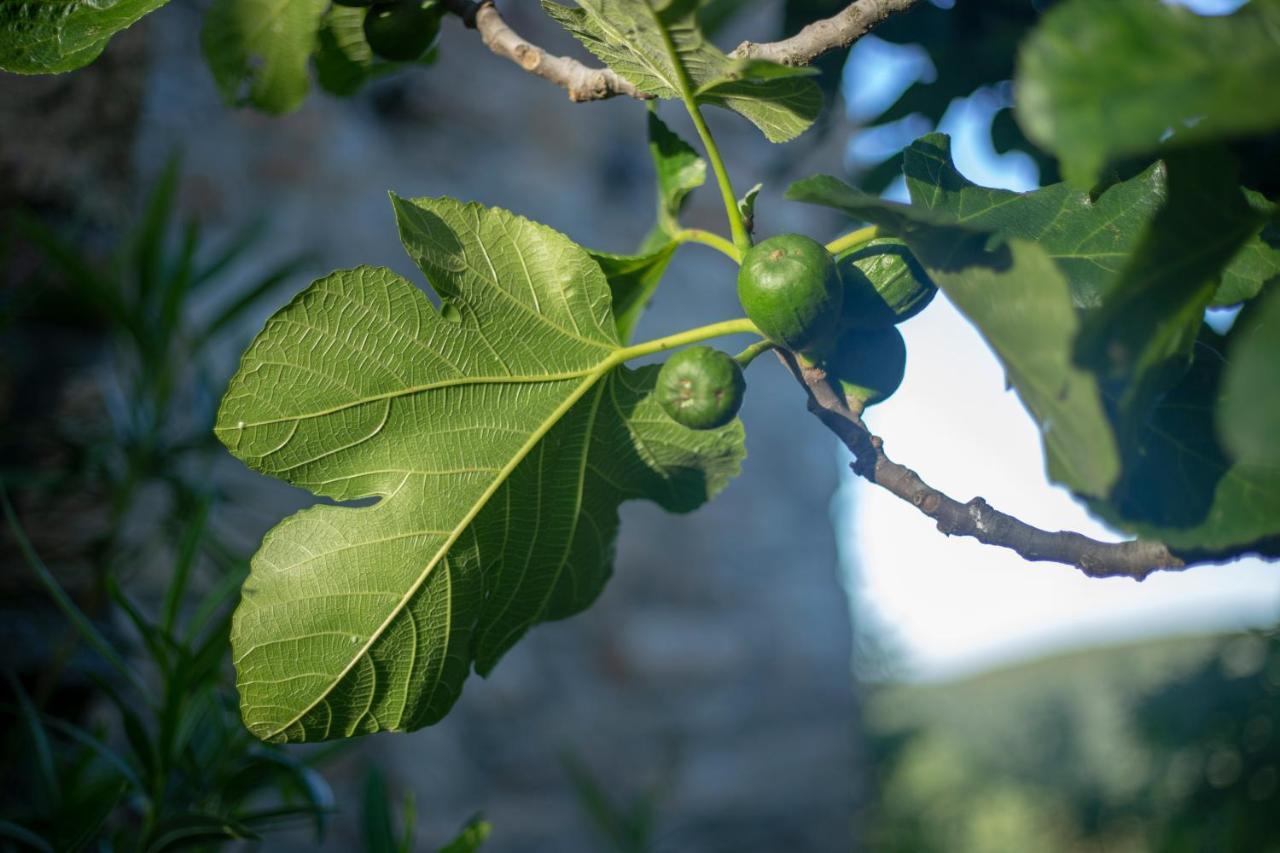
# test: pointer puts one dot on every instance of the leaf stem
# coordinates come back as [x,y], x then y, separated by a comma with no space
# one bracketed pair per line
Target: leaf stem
[853,239]
[749,354]
[690,336]
[707,238]
[737,227]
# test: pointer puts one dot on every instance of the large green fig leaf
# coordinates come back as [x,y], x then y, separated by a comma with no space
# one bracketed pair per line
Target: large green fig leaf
[1100,80]
[660,49]
[259,50]
[499,435]
[50,36]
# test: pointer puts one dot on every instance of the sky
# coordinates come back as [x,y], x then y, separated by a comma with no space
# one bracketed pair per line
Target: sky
[952,607]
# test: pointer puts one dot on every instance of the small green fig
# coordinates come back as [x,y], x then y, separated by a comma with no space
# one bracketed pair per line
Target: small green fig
[700,387]
[869,363]
[791,290]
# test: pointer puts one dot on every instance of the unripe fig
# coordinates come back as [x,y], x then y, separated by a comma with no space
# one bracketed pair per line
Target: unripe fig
[869,363]
[884,284]
[790,289]
[402,30]
[700,388]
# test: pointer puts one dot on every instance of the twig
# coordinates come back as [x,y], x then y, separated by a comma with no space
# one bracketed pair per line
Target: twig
[1135,559]
[582,82]
[840,30]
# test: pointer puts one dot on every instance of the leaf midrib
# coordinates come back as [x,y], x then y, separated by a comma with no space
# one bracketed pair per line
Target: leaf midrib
[591,377]
[621,38]
[416,389]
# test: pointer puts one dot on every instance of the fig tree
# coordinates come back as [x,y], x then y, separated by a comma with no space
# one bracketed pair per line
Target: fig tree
[791,290]
[353,2]
[884,284]
[700,387]
[402,30]
[869,363]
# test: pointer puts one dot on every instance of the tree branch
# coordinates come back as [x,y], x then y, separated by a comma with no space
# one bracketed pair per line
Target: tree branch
[840,30]
[582,82]
[1135,559]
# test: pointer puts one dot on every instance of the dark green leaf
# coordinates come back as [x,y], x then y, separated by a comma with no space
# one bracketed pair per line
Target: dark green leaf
[376,821]
[81,623]
[1104,79]
[194,830]
[1140,340]
[679,170]
[188,553]
[344,61]
[92,811]
[1178,485]
[662,53]
[50,36]
[126,772]
[471,837]
[46,774]
[259,51]
[24,836]
[893,218]
[1249,412]
[1255,264]
[1090,239]
[632,281]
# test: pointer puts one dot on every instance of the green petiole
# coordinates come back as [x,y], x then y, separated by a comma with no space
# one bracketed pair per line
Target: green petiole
[690,336]
[853,239]
[707,238]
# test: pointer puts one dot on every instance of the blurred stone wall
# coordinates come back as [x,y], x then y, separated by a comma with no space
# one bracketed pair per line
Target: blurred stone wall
[713,673]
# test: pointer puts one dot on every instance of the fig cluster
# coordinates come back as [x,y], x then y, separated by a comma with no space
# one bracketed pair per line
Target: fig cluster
[842,312]
[400,30]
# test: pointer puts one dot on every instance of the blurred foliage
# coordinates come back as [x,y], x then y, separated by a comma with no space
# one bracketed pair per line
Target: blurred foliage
[1168,746]
[156,757]
[152,755]
[169,765]
[159,395]
[381,831]
[625,825]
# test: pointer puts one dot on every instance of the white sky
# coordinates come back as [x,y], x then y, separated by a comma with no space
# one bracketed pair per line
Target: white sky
[954,606]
